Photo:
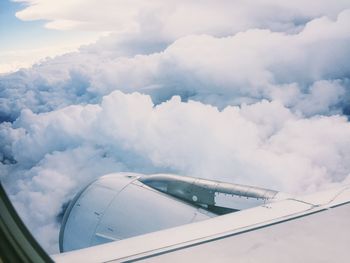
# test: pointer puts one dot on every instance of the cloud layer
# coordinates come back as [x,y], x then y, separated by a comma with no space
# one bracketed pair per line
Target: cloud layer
[246,67]
[245,96]
[261,144]
[173,19]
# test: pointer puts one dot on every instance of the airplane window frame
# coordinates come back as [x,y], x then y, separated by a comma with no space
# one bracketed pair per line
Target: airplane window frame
[16,242]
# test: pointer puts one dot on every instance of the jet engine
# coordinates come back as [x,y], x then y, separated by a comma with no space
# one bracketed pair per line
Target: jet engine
[123,205]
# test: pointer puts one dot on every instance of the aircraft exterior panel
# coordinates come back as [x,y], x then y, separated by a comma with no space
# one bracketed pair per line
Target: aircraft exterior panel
[116,207]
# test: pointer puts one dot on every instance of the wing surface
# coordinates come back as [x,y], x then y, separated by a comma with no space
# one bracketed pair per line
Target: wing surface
[312,228]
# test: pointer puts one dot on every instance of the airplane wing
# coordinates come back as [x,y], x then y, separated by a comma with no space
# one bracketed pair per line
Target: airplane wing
[311,228]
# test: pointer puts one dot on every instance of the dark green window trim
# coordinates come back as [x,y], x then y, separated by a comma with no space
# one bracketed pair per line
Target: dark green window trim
[16,242]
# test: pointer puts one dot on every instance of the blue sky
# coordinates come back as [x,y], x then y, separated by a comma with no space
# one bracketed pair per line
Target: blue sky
[25,42]
[21,34]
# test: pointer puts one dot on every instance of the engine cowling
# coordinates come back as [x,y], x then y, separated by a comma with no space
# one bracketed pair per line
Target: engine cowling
[118,206]
[123,205]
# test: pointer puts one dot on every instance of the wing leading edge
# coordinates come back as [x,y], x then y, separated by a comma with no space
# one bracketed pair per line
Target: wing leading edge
[312,228]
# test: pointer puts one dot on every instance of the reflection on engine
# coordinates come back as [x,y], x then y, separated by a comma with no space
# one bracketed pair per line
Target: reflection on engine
[123,205]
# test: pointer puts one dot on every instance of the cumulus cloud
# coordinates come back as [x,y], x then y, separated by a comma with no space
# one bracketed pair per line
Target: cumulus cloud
[246,67]
[174,19]
[261,144]
[257,95]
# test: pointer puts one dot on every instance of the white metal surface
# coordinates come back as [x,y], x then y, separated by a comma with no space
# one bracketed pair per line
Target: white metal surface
[119,206]
[173,241]
[211,193]
[319,237]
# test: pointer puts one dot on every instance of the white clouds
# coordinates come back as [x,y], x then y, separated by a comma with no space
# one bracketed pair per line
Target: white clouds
[262,144]
[321,97]
[174,19]
[90,14]
[247,67]
[40,192]
[169,134]
[253,95]
[14,59]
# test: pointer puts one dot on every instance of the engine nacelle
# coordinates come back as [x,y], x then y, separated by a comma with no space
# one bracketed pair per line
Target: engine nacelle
[118,206]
